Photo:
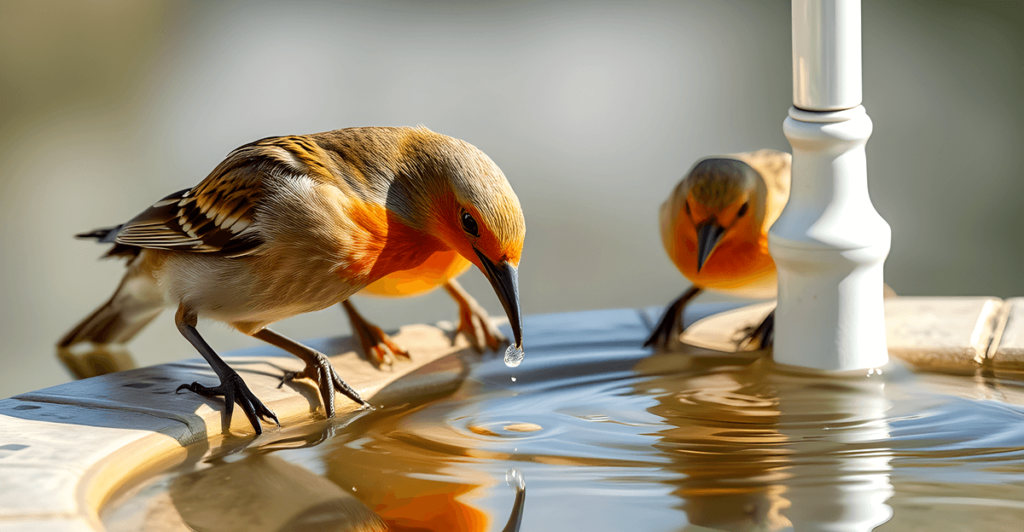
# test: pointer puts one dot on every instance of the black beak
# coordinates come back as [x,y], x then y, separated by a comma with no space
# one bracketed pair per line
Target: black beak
[505,279]
[708,235]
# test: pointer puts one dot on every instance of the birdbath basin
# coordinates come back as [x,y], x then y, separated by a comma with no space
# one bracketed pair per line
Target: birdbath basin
[606,435]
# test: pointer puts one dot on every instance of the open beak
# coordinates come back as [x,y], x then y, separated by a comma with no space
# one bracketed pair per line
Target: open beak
[505,279]
[709,234]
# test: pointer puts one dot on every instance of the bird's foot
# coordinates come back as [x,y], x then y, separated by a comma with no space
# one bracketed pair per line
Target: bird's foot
[666,333]
[234,390]
[760,337]
[327,380]
[377,346]
[476,325]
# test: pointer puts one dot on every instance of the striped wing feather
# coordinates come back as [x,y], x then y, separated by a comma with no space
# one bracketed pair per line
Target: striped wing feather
[215,216]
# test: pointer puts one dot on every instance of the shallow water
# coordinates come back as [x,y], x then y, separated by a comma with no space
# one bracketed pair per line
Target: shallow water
[610,438]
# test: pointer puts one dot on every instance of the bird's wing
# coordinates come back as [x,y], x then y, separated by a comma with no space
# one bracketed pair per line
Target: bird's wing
[774,167]
[218,214]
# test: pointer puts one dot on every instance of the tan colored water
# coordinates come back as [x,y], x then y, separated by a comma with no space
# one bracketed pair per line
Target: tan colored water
[609,437]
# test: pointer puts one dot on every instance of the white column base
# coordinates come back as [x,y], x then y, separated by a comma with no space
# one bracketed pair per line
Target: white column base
[829,247]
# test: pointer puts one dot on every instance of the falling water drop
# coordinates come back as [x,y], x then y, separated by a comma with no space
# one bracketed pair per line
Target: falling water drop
[514,356]
[513,379]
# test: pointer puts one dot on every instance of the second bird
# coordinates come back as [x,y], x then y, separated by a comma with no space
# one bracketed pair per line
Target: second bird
[714,226]
[288,225]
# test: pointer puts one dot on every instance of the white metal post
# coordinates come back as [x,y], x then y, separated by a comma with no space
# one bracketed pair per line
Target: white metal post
[829,244]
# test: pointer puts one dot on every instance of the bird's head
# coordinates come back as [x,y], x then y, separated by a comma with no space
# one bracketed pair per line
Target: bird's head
[718,202]
[474,211]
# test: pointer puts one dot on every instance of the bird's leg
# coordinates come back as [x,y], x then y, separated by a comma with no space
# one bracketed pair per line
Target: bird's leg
[670,326]
[318,369]
[231,386]
[474,321]
[377,346]
[760,337]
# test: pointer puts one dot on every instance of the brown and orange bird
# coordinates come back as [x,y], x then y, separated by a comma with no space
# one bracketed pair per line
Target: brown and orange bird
[440,269]
[288,225]
[714,226]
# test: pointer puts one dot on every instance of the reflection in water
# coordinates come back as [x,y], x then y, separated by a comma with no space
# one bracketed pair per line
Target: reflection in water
[723,439]
[839,477]
[265,493]
[99,360]
[515,480]
[614,438]
[761,450]
[409,488]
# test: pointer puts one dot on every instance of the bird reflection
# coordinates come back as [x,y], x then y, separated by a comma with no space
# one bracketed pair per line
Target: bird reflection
[98,360]
[262,492]
[757,450]
[438,496]
[244,487]
[723,441]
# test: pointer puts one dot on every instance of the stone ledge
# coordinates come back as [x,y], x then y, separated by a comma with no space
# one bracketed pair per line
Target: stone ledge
[1009,350]
[65,450]
[958,334]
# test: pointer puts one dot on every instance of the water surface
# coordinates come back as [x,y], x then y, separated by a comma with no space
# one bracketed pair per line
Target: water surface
[609,437]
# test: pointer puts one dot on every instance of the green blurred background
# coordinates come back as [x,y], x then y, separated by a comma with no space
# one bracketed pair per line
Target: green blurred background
[594,110]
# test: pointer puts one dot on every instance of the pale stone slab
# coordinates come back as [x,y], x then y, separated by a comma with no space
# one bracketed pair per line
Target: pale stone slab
[46,448]
[55,524]
[722,332]
[1010,351]
[941,332]
[951,333]
[37,491]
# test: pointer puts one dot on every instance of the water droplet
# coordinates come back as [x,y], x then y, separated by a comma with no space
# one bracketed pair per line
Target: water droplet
[513,379]
[514,356]
[514,478]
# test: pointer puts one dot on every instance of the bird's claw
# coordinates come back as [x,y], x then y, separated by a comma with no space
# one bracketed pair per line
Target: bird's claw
[385,351]
[377,345]
[666,333]
[327,380]
[760,337]
[234,390]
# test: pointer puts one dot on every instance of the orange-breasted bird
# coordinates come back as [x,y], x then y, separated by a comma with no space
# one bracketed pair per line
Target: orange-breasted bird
[440,269]
[714,226]
[287,225]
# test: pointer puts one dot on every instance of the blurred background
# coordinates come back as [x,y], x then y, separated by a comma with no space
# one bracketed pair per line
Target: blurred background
[594,110]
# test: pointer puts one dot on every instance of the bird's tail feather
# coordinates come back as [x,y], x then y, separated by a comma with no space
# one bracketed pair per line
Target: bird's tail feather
[108,235]
[104,236]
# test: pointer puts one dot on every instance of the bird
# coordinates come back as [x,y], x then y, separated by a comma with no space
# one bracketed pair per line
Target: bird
[440,269]
[714,227]
[294,224]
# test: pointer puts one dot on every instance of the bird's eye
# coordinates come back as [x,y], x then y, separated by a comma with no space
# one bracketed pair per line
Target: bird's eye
[469,224]
[743,209]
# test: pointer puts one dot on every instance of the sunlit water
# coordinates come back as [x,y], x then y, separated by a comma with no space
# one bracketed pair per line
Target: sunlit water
[609,437]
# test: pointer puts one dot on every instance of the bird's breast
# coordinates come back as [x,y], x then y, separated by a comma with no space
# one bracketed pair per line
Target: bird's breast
[383,244]
[741,268]
[438,269]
